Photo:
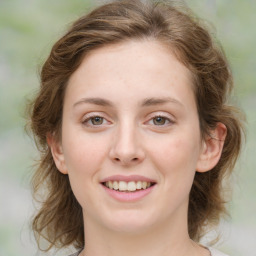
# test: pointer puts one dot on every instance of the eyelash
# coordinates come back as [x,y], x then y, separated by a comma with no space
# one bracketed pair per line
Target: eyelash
[167,121]
[88,120]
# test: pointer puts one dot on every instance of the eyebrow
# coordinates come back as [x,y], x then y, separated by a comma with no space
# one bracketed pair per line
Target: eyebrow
[159,101]
[145,103]
[95,101]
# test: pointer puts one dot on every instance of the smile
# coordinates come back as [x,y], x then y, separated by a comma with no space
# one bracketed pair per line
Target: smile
[130,186]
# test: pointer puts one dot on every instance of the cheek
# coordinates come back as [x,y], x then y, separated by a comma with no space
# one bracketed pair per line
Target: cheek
[175,155]
[83,154]
[175,159]
[83,157]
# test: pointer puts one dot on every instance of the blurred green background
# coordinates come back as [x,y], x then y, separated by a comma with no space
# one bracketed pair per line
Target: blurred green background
[27,31]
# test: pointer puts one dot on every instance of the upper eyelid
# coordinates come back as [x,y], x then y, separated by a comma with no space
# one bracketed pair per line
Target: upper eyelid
[169,118]
[93,114]
[161,114]
[87,122]
[86,118]
[170,121]
[147,117]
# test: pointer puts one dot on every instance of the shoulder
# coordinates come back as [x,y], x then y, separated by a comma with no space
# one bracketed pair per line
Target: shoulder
[215,252]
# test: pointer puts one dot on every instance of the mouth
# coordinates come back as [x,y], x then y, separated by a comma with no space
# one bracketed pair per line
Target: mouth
[127,187]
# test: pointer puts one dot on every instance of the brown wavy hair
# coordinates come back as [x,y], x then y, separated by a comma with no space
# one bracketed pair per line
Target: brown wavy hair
[60,220]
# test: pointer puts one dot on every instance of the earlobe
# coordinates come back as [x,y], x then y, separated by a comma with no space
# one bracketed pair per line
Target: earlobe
[212,148]
[57,153]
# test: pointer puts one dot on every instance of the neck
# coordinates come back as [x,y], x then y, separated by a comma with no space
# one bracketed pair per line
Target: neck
[168,239]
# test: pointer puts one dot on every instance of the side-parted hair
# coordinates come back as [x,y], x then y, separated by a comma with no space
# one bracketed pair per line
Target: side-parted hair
[60,220]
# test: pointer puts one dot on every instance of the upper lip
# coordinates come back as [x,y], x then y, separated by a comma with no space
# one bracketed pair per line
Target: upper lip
[127,178]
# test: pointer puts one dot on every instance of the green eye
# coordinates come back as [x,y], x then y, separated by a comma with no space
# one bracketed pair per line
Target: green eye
[97,120]
[159,120]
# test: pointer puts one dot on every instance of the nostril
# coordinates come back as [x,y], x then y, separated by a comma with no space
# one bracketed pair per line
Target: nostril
[126,161]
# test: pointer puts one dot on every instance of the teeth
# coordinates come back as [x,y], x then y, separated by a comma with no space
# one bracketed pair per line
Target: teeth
[122,186]
[127,186]
[144,184]
[115,185]
[139,185]
[131,186]
[110,184]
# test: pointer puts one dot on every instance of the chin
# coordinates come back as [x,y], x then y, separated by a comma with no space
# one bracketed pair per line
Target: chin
[129,221]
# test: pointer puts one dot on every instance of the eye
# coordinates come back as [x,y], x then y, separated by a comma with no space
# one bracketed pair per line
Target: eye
[97,120]
[94,120]
[160,120]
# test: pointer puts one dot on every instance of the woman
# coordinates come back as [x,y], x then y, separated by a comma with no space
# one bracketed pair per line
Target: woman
[135,133]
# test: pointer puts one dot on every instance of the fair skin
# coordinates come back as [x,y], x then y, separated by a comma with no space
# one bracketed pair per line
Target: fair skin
[130,116]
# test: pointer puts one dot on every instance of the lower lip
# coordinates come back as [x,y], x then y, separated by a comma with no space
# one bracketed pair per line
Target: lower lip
[128,196]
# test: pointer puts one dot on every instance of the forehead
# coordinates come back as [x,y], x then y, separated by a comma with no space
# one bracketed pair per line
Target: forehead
[141,67]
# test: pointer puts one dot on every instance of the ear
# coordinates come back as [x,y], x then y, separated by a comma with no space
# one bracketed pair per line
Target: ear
[212,148]
[57,153]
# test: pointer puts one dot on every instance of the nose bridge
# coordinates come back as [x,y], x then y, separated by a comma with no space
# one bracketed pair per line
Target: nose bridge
[126,148]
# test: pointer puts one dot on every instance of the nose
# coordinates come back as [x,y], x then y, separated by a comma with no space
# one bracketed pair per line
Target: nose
[126,147]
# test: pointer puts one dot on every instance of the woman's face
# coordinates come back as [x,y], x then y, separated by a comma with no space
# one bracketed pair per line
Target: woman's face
[130,137]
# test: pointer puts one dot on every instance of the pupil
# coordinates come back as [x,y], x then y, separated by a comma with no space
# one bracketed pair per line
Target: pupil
[97,120]
[159,120]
